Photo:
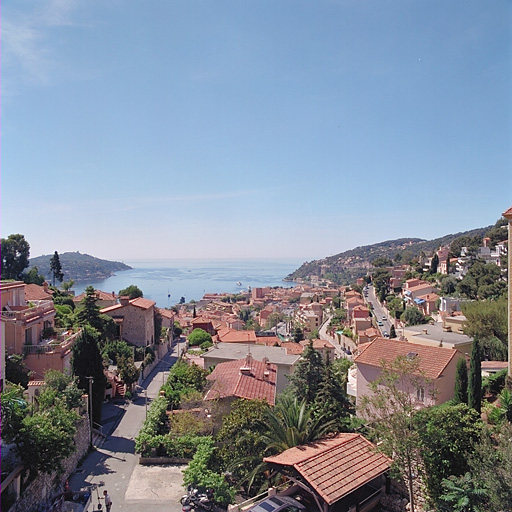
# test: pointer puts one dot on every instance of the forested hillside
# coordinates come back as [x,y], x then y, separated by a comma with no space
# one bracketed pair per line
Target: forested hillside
[346,267]
[78,267]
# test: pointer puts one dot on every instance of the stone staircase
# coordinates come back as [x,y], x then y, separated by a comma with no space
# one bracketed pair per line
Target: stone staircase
[98,438]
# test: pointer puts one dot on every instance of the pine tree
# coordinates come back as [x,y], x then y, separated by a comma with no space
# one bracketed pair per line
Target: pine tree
[475,377]
[89,312]
[56,268]
[461,382]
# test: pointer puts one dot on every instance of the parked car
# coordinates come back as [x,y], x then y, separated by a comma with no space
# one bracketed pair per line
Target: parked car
[379,323]
[278,504]
[385,334]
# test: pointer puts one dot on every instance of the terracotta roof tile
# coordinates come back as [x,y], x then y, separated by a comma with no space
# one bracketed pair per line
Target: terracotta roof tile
[508,214]
[233,336]
[142,303]
[335,467]
[433,360]
[100,295]
[36,292]
[292,348]
[229,381]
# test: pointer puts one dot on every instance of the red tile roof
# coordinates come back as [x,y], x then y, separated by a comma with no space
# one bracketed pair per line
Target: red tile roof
[100,295]
[142,303]
[139,302]
[234,336]
[167,313]
[335,467]
[36,292]
[433,360]
[269,341]
[258,382]
[508,214]
[292,348]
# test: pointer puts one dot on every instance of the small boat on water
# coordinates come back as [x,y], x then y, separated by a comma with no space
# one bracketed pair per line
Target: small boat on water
[239,283]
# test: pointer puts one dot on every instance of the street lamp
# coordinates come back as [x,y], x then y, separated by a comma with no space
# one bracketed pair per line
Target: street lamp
[91,382]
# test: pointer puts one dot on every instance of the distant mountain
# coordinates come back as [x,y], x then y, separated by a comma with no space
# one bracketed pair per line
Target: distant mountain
[346,267]
[79,267]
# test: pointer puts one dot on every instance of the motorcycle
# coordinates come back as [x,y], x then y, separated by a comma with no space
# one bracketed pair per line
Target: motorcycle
[194,500]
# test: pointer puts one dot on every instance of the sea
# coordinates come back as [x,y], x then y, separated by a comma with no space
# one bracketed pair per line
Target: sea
[166,281]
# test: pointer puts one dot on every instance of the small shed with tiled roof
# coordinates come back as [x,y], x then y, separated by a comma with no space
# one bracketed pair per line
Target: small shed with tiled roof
[341,473]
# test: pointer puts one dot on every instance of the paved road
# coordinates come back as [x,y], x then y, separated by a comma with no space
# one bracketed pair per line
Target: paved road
[325,336]
[379,311]
[114,466]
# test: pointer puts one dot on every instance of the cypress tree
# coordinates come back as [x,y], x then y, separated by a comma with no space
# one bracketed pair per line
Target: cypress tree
[461,382]
[475,378]
[56,268]
[308,375]
[86,361]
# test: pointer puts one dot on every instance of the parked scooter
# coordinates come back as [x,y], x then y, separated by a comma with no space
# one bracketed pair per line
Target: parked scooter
[194,500]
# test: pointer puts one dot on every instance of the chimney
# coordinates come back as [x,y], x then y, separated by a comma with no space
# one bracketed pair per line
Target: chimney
[45,287]
[246,368]
[124,300]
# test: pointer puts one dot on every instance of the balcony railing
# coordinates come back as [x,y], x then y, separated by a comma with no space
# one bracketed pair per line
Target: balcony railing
[61,344]
[40,309]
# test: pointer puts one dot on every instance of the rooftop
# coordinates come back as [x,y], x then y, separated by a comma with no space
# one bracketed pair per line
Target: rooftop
[433,360]
[246,378]
[435,332]
[235,351]
[335,467]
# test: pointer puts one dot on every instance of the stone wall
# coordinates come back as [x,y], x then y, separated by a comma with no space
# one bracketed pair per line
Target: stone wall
[46,486]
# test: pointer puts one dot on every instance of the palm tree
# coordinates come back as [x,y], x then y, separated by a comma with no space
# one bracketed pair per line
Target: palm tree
[291,423]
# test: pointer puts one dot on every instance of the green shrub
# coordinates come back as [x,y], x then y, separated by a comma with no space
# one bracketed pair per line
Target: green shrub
[156,423]
[199,474]
[198,336]
[494,383]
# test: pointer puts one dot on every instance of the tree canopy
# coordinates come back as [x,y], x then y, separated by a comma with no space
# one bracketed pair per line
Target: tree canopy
[198,337]
[15,252]
[132,291]
[43,433]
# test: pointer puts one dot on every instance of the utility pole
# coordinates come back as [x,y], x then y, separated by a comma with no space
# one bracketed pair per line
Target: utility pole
[91,382]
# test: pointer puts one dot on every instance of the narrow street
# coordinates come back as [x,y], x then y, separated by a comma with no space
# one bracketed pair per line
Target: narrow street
[325,336]
[114,466]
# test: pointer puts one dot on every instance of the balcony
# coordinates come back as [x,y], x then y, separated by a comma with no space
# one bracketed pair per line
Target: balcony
[39,310]
[59,344]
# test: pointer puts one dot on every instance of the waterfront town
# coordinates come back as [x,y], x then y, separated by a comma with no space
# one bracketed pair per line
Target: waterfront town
[393,392]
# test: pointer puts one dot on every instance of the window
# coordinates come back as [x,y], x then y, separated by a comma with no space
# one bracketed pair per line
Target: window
[420,394]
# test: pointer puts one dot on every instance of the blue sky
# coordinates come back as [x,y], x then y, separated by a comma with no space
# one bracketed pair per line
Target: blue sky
[163,129]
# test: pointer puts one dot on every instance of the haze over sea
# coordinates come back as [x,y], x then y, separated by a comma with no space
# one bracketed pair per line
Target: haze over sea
[166,281]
